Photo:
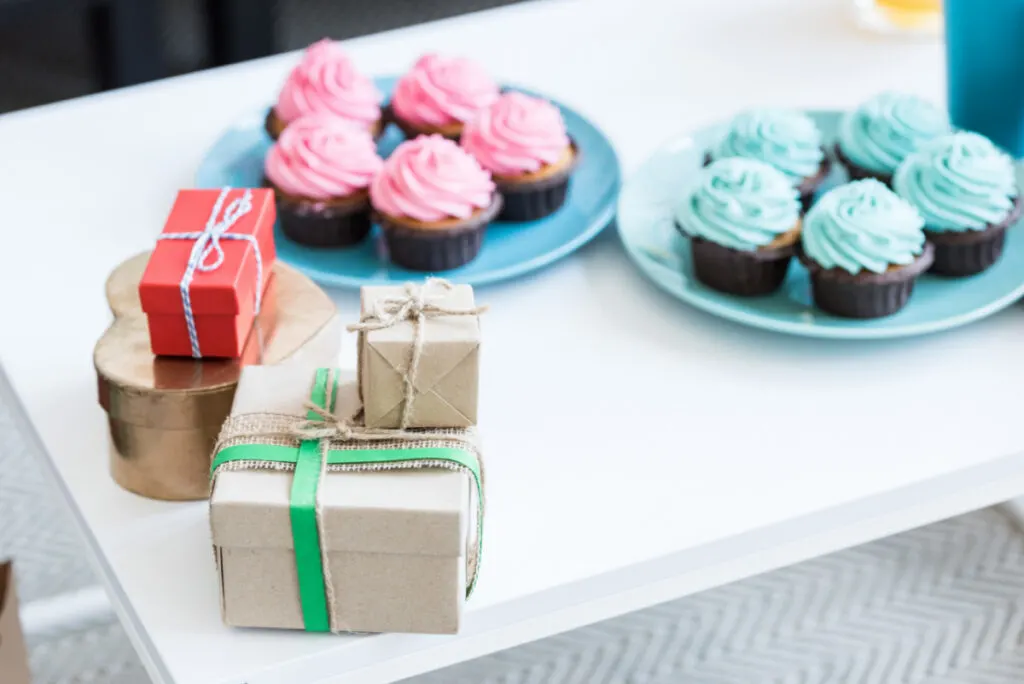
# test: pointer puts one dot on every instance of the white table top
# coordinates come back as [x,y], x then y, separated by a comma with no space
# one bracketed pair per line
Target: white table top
[638,450]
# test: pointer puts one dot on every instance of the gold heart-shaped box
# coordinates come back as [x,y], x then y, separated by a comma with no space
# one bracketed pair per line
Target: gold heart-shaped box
[165,413]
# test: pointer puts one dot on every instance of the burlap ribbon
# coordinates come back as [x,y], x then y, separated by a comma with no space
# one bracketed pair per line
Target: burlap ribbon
[416,304]
[321,443]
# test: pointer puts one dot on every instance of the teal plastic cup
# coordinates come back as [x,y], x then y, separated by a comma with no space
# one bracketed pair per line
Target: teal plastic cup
[985,68]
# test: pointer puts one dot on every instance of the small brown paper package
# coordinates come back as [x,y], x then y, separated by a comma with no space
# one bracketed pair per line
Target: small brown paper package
[164,413]
[13,655]
[419,355]
[370,540]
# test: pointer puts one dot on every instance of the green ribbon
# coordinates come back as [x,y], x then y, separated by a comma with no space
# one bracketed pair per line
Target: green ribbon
[306,460]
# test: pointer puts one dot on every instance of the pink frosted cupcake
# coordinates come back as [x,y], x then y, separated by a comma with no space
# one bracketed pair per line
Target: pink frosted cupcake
[433,201]
[522,141]
[440,94]
[321,169]
[326,82]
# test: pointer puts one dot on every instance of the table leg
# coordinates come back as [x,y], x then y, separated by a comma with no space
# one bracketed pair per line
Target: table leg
[126,42]
[240,29]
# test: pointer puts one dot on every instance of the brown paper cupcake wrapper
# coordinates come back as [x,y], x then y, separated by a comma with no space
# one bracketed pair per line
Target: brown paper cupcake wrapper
[808,187]
[746,274]
[323,225]
[857,172]
[531,201]
[411,131]
[958,259]
[970,252]
[273,126]
[433,250]
[864,295]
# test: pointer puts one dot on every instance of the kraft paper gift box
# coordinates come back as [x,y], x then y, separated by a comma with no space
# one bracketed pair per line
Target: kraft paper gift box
[13,655]
[444,381]
[202,288]
[164,413]
[385,538]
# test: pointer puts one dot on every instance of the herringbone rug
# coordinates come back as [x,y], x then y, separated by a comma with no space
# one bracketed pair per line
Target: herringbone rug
[941,605]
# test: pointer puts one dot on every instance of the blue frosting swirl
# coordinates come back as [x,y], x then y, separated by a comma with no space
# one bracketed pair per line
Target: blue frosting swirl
[739,203]
[787,140]
[880,133]
[959,182]
[862,226]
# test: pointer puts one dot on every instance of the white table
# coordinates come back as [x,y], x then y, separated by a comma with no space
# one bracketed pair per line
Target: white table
[638,450]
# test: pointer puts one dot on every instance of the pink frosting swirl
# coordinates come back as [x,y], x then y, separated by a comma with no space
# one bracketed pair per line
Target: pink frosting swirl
[517,134]
[326,81]
[431,178]
[322,157]
[443,90]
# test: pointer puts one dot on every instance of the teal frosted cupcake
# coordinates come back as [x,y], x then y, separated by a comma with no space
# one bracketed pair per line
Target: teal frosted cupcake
[785,139]
[966,190]
[864,248]
[743,220]
[874,139]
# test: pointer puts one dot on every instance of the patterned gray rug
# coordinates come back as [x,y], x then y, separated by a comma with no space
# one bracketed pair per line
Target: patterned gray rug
[940,605]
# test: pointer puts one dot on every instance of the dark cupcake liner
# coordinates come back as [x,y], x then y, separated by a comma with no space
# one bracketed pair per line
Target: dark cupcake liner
[324,225]
[970,252]
[268,125]
[531,201]
[858,172]
[962,258]
[865,294]
[808,187]
[409,130]
[433,250]
[735,272]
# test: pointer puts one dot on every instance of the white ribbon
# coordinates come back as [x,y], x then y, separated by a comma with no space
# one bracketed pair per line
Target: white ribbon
[207,244]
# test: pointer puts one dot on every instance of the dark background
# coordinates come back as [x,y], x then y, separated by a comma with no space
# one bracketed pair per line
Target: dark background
[52,50]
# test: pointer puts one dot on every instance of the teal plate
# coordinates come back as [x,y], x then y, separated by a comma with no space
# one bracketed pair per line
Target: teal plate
[509,250]
[645,220]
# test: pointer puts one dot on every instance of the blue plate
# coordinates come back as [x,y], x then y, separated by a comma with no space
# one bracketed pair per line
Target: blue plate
[645,221]
[510,249]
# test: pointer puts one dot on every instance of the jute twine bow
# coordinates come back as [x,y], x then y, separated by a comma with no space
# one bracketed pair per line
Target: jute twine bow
[327,427]
[207,245]
[417,304]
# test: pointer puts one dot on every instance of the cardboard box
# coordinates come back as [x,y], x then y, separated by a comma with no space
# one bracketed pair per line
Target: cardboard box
[401,544]
[446,385]
[223,299]
[13,654]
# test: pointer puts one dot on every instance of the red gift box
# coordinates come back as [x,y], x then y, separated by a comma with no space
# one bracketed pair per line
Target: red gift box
[220,243]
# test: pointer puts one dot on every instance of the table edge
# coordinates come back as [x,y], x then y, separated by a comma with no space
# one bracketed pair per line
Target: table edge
[600,597]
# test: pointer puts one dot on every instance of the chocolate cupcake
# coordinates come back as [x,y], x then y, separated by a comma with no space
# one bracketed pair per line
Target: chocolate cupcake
[966,190]
[743,220]
[439,95]
[433,202]
[321,169]
[522,141]
[786,139]
[864,248]
[875,138]
[327,82]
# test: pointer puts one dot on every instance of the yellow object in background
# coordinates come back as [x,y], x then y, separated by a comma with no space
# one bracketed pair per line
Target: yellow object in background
[920,17]
[911,14]
[912,5]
